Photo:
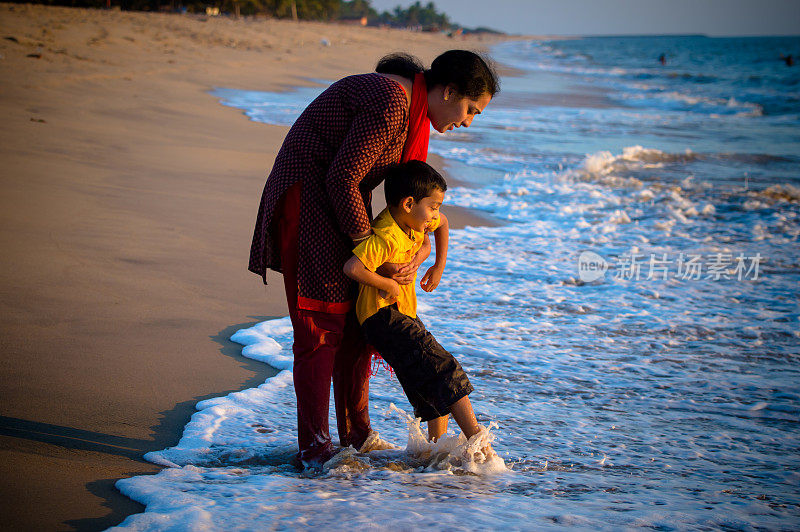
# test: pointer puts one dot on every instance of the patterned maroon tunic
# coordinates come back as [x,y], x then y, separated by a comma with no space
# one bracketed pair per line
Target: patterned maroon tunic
[338,148]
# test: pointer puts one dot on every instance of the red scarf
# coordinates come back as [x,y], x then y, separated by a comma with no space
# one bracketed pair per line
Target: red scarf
[419,125]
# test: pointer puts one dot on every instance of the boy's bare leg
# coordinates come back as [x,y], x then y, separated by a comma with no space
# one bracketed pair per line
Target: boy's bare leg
[437,427]
[465,417]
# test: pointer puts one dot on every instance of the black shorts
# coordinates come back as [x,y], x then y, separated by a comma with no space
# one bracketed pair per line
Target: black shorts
[431,378]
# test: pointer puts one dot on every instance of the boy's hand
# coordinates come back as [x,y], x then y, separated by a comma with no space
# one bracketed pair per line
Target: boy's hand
[431,279]
[392,291]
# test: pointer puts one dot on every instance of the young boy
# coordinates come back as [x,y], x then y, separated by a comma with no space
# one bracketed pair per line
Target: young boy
[431,378]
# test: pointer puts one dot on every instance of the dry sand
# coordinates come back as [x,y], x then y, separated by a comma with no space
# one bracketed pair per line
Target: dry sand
[128,200]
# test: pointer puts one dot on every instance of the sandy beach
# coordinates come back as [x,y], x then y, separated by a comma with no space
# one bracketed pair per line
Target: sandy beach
[129,196]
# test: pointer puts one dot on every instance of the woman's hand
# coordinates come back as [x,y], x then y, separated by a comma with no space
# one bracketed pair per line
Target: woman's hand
[405,273]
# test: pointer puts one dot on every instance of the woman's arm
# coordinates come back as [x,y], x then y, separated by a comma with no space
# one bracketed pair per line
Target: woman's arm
[371,132]
[404,273]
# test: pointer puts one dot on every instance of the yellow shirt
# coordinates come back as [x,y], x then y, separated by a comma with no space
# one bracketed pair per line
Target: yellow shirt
[389,243]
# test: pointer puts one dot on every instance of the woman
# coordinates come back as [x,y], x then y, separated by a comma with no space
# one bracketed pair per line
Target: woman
[316,206]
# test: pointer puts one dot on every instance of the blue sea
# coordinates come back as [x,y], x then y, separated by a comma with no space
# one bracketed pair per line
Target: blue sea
[631,328]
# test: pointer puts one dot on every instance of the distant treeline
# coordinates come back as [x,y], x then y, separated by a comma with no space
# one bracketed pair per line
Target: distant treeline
[418,16]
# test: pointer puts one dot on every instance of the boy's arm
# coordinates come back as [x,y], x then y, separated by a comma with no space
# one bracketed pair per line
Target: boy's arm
[356,270]
[432,277]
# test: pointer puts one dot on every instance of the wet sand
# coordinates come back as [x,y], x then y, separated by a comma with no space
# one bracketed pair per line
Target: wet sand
[129,197]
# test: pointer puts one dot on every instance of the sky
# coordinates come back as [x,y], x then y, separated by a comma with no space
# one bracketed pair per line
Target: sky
[621,17]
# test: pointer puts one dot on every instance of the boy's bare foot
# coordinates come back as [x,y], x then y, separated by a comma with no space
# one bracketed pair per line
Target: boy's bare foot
[480,456]
[485,454]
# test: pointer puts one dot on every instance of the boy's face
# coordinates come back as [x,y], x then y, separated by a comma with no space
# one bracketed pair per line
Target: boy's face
[421,213]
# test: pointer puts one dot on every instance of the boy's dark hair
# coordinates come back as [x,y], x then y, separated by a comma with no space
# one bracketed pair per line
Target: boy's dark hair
[413,178]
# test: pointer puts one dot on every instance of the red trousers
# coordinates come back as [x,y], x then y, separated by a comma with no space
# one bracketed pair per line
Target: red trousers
[326,347]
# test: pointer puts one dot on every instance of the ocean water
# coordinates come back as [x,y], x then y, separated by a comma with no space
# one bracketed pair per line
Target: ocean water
[632,331]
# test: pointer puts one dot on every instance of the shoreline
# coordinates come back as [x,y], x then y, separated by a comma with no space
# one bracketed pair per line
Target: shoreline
[129,198]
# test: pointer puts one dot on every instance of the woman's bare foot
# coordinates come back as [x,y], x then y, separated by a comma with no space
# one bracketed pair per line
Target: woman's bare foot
[375,443]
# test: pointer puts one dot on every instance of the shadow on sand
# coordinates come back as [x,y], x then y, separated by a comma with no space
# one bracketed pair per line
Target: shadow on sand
[165,434]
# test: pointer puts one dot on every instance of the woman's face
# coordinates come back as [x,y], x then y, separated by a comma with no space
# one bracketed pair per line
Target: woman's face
[448,110]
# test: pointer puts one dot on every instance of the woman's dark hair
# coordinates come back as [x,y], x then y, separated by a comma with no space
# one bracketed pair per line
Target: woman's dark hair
[401,64]
[471,74]
[412,178]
